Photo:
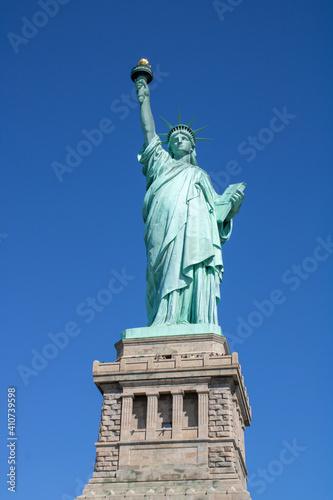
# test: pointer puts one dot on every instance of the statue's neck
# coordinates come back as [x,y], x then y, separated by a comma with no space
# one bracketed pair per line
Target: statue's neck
[186,158]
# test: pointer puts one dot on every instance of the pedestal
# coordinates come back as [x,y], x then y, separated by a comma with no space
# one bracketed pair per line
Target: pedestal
[173,419]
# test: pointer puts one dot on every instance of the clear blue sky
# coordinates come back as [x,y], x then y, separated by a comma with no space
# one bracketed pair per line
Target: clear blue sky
[260,76]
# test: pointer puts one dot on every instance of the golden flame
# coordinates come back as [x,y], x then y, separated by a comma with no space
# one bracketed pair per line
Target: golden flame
[143,62]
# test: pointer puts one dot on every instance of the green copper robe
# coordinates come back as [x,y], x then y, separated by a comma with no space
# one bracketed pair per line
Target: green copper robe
[183,240]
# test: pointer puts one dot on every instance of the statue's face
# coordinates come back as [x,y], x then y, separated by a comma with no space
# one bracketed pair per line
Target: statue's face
[180,145]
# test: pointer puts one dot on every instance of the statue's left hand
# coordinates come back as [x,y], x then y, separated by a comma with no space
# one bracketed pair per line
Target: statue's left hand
[236,202]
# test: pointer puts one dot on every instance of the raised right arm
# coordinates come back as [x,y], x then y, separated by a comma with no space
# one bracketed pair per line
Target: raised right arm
[147,120]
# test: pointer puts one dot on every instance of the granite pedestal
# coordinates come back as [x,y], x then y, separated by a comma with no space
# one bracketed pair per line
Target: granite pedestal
[173,418]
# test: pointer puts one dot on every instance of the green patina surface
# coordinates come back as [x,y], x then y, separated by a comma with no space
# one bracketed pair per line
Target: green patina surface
[186,222]
[170,330]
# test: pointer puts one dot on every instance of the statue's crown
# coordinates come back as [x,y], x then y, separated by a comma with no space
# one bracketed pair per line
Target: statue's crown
[181,127]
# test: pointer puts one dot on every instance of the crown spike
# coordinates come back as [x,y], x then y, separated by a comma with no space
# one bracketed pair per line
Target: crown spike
[182,127]
[167,123]
[199,129]
[194,117]
[179,118]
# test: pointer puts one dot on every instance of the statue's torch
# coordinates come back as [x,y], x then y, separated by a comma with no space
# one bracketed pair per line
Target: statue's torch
[142,71]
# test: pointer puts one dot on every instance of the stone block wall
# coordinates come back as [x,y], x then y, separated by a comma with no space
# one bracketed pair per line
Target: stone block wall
[239,426]
[222,458]
[220,410]
[107,454]
[225,422]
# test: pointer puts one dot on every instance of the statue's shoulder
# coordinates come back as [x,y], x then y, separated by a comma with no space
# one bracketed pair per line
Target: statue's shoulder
[153,150]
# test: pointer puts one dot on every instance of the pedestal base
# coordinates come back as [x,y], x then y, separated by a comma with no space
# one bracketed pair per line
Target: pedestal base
[165,490]
[173,419]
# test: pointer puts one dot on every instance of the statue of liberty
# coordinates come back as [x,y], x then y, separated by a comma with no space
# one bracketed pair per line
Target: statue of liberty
[186,222]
